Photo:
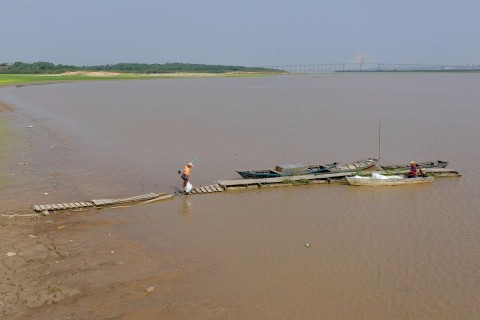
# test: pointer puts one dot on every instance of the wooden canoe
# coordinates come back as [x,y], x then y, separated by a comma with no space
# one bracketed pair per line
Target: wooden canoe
[426,165]
[295,170]
[388,181]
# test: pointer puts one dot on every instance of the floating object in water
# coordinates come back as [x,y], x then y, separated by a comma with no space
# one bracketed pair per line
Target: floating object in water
[150,289]
[381,180]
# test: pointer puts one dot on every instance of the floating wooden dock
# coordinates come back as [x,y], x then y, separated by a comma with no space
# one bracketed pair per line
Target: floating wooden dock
[223,185]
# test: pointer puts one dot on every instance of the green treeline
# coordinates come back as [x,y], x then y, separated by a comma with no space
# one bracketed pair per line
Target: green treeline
[50,68]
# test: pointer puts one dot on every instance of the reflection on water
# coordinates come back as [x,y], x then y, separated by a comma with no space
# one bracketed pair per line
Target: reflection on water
[406,252]
[186,209]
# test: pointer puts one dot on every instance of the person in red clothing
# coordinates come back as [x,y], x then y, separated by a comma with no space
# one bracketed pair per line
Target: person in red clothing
[413,170]
[186,174]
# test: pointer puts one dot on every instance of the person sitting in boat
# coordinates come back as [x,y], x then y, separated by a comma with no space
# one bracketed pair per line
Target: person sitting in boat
[413,170]
[423,172]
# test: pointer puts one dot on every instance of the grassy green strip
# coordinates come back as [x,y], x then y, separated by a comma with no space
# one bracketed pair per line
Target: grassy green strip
[16,79]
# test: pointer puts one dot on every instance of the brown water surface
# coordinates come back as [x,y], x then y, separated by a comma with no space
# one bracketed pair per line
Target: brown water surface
[407,252]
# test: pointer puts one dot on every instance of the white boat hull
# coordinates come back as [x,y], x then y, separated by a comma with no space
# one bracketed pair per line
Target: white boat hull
[368,181]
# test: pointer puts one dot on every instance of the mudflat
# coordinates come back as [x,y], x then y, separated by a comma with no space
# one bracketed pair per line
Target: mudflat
[76,268]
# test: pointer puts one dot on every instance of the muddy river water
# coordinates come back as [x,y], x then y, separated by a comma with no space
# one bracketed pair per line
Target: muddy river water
[407,252]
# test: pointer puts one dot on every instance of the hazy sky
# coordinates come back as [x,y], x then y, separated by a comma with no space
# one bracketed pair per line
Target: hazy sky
[243,32]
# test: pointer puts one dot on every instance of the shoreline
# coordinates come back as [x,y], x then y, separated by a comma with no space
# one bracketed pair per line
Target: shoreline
[71,264]
[36,79]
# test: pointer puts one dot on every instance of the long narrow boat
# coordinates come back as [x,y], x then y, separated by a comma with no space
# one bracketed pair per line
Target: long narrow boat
[380,180]
[427,164]
[295,170]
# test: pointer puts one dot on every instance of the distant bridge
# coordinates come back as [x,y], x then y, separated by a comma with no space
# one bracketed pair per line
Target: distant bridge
[370,67]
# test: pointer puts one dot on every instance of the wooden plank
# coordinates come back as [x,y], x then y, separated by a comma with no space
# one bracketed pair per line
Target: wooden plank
[48,206]
[55,207]
[83,204]
[203,189]
[159,198]
[37,208]
[73,206]
[42,207]
[156,195]
[66,205]
[148,195]
[209,190]
[78,205]
[89,204]
[60,206]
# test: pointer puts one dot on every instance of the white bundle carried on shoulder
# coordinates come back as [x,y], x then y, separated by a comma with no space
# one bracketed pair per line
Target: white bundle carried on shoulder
[188,187]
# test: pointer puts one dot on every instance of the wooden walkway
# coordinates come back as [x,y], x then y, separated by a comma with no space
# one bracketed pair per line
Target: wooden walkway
[95,203]
[207,189]
[220,186]
[223,185]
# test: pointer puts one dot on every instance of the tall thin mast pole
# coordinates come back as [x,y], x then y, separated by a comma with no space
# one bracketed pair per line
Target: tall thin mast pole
[379,140]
